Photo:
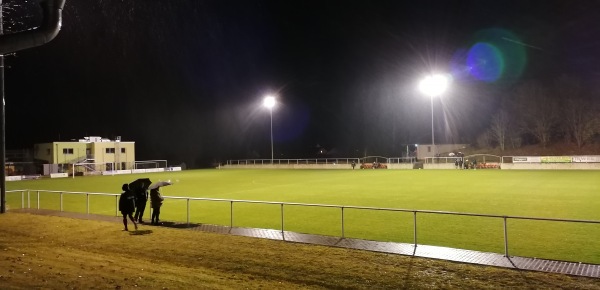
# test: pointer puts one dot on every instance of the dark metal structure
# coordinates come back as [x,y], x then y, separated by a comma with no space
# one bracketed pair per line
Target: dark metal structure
[52,11]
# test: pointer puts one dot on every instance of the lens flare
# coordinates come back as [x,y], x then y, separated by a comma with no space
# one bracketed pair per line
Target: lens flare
[485,62]
[496,55]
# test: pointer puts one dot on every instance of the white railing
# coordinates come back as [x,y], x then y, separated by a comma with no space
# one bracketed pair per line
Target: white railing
[316,161]
[293,161]
[481,158]
[504,218]
[61,193]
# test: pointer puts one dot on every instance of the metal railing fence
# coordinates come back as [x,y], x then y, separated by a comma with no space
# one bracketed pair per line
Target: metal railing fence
[26,203]
[318,161]
[293,161]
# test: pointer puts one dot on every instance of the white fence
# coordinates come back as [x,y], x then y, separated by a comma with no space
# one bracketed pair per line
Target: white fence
[292,161]
[478,161]
[331,161]
[26,196]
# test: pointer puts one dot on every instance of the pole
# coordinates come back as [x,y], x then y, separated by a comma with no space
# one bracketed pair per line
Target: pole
[11,43]
[271,113]
[505,239]
[415,228]
[432,134]
[2,128]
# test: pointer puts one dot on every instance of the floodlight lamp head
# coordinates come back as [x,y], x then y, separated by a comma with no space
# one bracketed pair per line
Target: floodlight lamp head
[434,85]
[269,102]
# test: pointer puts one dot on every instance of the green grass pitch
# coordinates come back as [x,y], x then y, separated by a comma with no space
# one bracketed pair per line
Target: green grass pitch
[549,194]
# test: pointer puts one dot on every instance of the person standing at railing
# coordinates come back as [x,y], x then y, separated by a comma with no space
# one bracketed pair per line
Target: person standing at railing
[156,201]
[127,206]
[141,199]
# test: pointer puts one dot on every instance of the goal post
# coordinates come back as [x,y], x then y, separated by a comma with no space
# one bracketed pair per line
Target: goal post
[97,168]
[147,164]
[89,168]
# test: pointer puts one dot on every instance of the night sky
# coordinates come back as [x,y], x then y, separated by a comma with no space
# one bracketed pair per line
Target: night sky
[185,79]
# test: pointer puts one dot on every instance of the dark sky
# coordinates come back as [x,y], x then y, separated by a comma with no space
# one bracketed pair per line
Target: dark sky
[185,79]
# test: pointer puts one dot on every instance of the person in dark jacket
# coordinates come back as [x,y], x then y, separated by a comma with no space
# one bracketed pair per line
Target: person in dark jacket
[156,201]
[127,206]
[141,198]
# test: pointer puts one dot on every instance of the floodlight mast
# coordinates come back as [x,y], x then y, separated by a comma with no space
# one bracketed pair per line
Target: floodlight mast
[269,103]
[433,86]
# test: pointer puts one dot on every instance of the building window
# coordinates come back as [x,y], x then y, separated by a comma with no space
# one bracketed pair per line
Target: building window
[428,148]
[110,150]
[122,150]
[48,151]
[67,150]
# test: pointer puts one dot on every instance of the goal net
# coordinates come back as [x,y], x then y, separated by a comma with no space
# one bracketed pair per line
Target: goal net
[87,168]
[148,164]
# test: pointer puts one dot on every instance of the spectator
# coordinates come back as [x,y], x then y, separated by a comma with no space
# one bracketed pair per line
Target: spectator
[156,201]
[127,206]
[141,198]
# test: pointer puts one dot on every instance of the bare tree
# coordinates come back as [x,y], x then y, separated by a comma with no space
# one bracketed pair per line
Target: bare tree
[499,128]
[537,110]
[484,140]
[515,141]
[578,113]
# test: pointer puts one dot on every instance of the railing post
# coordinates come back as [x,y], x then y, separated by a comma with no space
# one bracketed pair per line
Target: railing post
[116,205]
[22,199]
[231,214]
[282,227]
[87,201]
[415,229]
[28,199]
[188,211]
[61,201]
[505,238]
[38,199]
[342,222]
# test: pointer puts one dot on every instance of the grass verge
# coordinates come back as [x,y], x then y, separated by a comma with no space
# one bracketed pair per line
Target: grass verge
[63,253]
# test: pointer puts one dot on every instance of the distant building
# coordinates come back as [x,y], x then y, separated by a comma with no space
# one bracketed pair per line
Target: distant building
[110,154]
[442,150]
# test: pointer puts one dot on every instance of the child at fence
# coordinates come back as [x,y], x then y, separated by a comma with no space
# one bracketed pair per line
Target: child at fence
[127,206]
[156,201]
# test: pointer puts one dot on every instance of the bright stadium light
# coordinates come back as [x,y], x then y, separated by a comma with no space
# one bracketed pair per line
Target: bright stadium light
[269,103]
[433,86]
